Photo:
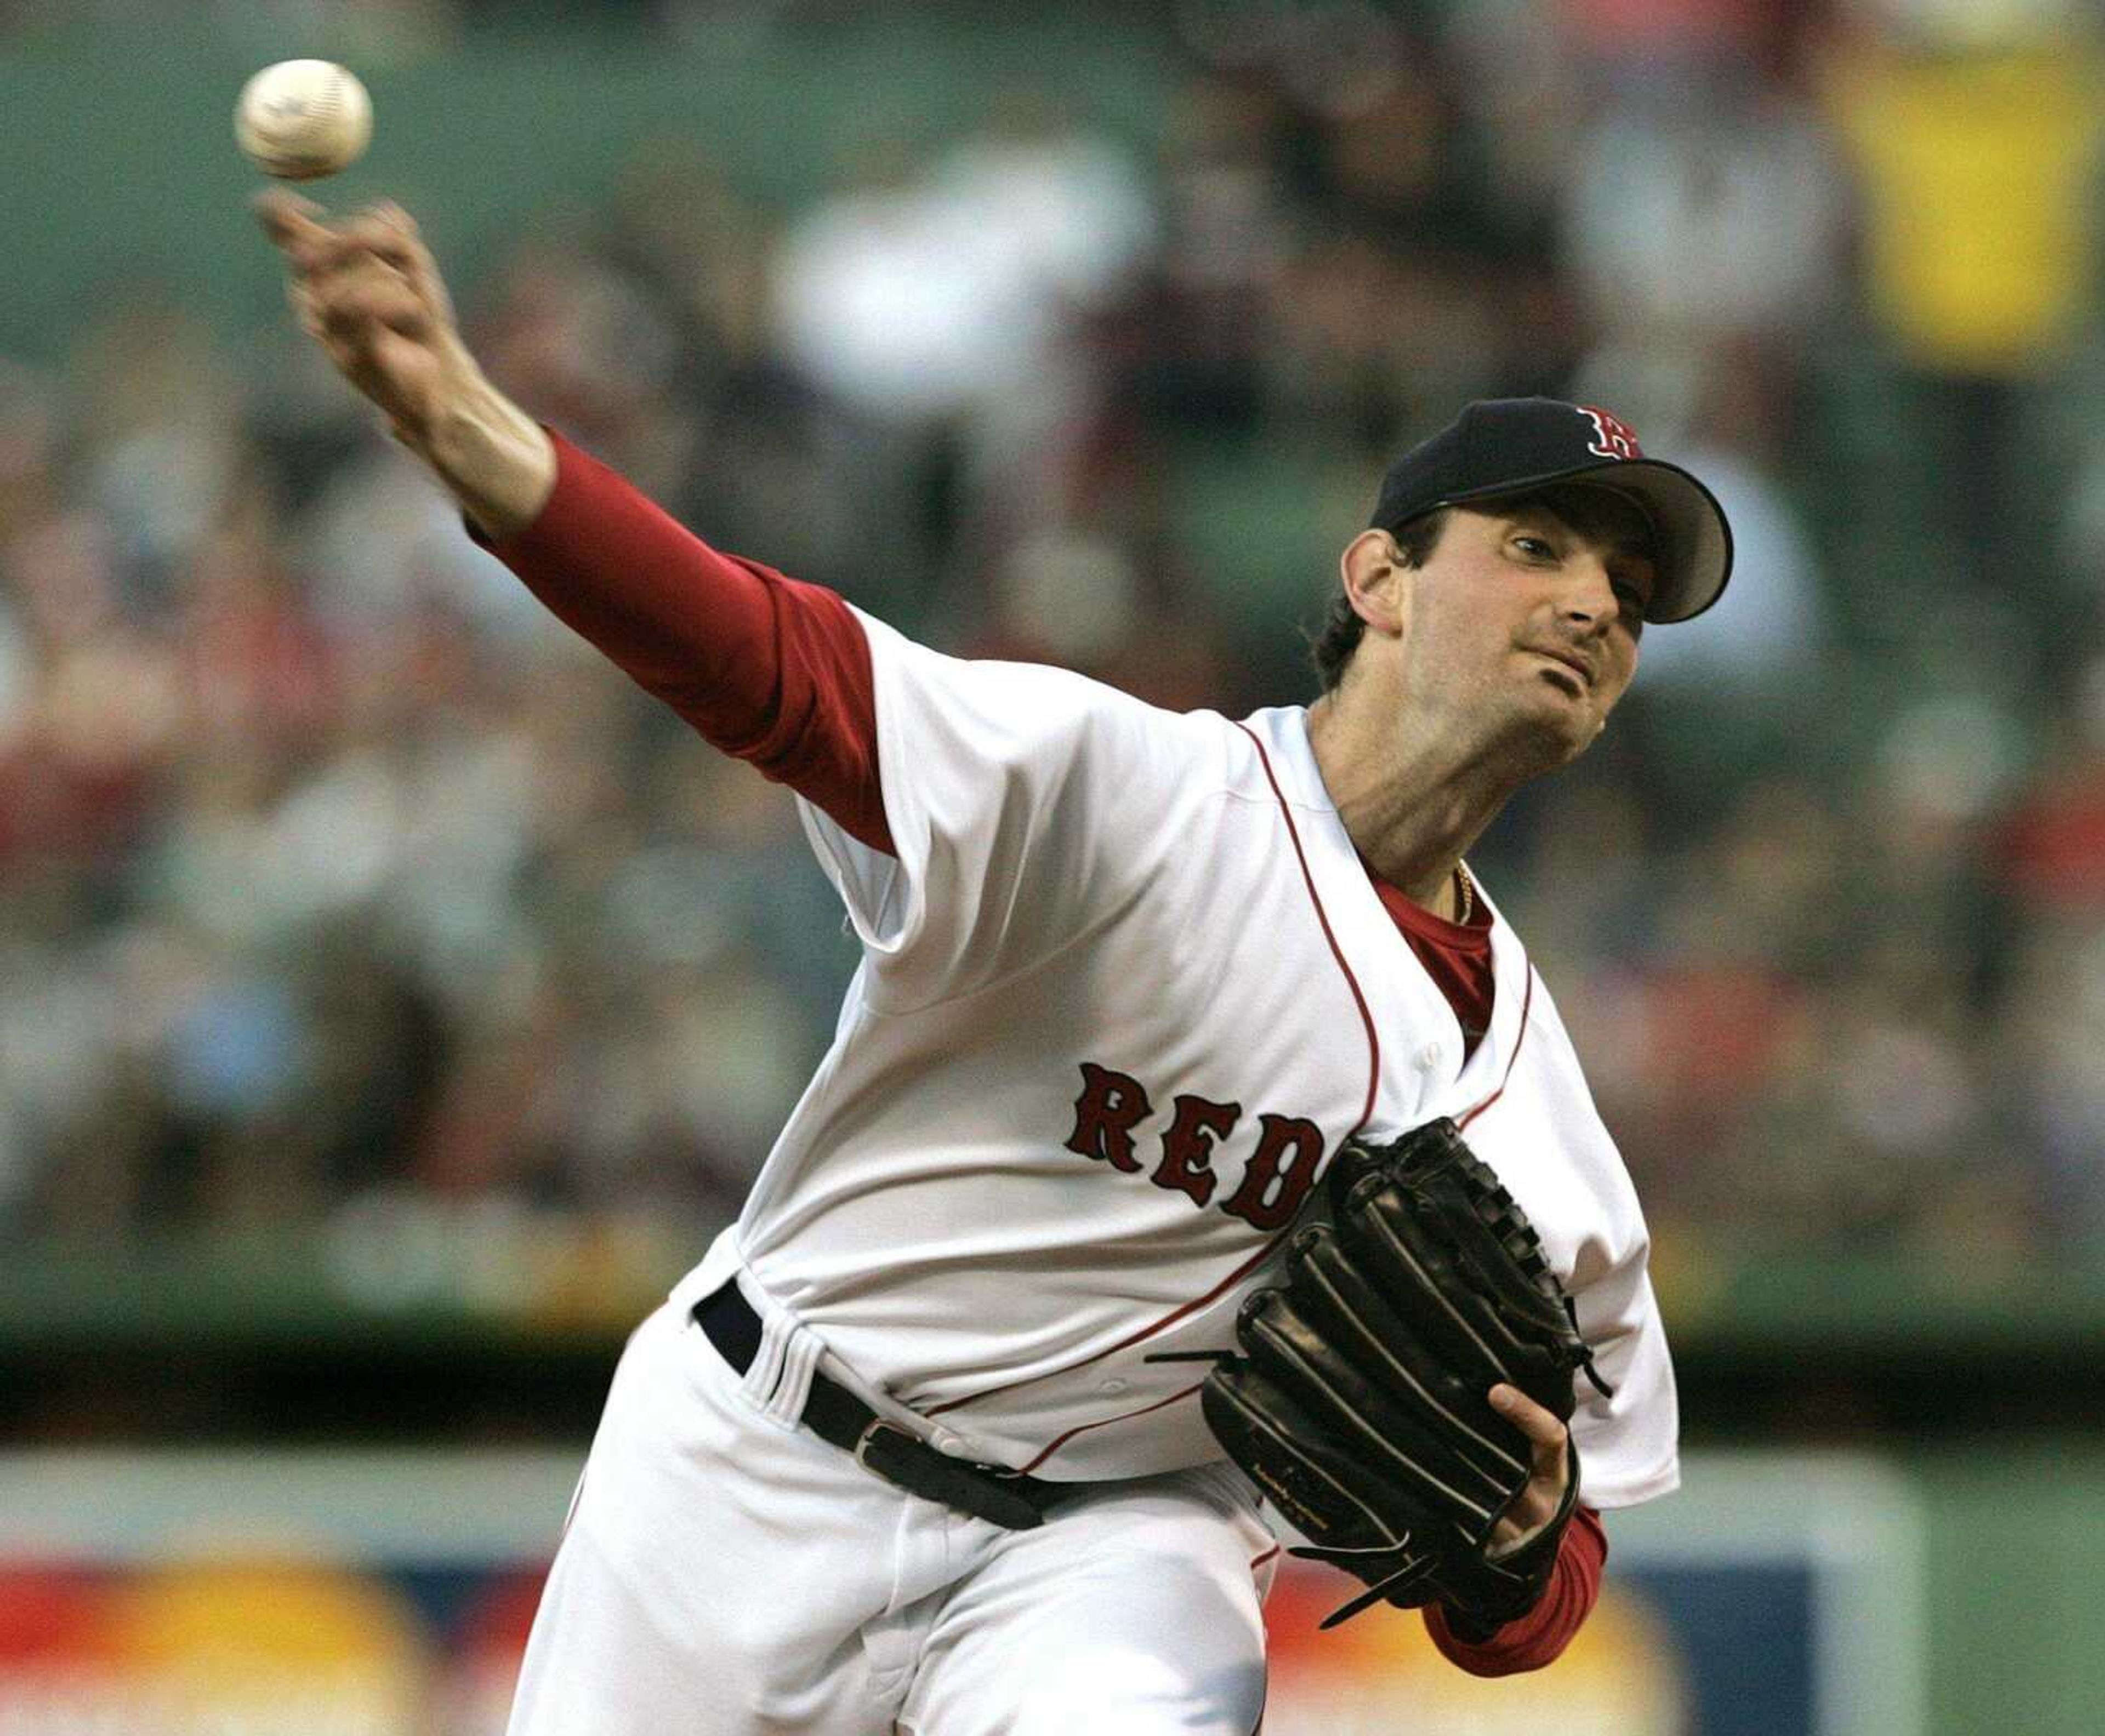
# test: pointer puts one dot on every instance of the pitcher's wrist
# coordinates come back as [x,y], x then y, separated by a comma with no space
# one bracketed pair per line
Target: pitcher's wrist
[495,460]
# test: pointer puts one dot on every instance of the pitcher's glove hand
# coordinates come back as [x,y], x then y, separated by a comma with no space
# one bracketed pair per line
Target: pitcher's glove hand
[1360,1400]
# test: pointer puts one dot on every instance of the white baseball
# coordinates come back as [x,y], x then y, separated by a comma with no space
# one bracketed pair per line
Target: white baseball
[301,118]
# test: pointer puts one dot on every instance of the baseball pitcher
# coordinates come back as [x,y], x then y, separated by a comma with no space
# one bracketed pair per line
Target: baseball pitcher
[1196,1139]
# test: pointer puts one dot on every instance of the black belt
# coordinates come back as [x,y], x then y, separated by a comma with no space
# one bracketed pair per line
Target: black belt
[833,1413]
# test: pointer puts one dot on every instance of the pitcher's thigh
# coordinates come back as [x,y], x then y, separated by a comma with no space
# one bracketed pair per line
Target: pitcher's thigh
[716,1573]
[1135,1617]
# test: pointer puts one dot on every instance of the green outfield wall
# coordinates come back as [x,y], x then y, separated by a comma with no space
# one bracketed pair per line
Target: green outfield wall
[121,173]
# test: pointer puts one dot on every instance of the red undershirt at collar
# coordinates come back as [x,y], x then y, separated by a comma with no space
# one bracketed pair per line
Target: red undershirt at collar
[1457,956]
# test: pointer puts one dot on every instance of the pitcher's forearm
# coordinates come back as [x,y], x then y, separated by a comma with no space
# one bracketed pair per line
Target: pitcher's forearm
[494,459]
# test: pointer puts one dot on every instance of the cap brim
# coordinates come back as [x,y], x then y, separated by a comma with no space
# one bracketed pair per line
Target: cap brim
[1695,555]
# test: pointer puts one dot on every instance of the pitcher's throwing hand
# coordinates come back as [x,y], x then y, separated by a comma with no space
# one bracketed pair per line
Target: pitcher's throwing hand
[369,293]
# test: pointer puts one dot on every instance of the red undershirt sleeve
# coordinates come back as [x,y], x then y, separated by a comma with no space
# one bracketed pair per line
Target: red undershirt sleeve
[768,668]
[1538,1637]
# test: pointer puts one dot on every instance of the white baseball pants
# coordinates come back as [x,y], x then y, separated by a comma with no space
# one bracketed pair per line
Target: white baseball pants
[727,1573]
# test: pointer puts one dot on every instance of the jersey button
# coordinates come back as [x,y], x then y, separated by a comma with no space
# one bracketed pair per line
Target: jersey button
[1429,1057]
[1113,1386]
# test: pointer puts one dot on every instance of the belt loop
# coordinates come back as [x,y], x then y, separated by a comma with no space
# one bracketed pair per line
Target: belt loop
[763,1374]
[794,1348]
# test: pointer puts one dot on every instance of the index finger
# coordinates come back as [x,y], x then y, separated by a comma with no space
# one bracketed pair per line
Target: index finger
[1539,1425]
[383,231]
[290,221]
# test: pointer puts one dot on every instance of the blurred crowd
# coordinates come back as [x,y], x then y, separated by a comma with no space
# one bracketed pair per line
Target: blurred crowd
[335,878]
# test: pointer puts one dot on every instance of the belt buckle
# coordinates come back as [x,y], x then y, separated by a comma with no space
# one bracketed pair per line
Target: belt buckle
[863,1441]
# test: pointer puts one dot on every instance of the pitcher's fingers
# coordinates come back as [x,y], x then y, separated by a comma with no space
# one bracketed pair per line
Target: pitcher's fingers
[312,312]
[388,235]
[347,252]
[340,278]
[304,308]
[1539,1425]
[367,231]
[288,221]
[355,313]
[350,263]
[405,249]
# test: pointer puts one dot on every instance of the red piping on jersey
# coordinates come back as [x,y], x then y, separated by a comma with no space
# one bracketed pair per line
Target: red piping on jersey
[1082,1428]
[1258,1561]
[1256,1260]
[1520,1037]
[1171,1318]
[1337,952]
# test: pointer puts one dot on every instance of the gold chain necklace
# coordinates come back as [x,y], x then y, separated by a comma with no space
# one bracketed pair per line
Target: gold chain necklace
[1468,891]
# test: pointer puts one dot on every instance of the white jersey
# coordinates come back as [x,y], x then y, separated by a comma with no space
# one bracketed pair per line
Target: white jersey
[1125,989]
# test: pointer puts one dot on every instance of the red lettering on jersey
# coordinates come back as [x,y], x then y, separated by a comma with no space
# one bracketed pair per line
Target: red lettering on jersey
[1275,1180]
[1188,1147]
[1110,1106]
[1613,438]
[1288,1151]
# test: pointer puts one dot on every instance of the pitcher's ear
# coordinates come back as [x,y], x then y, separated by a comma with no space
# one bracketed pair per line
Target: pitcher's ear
[1372,570]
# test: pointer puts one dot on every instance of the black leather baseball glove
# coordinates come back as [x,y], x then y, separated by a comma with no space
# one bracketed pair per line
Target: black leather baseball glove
[1358,1401]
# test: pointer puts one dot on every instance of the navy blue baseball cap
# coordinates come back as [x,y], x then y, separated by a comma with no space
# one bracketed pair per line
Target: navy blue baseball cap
[1509,445]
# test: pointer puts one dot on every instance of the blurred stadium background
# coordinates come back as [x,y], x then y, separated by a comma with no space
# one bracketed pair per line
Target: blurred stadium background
[392,1002]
